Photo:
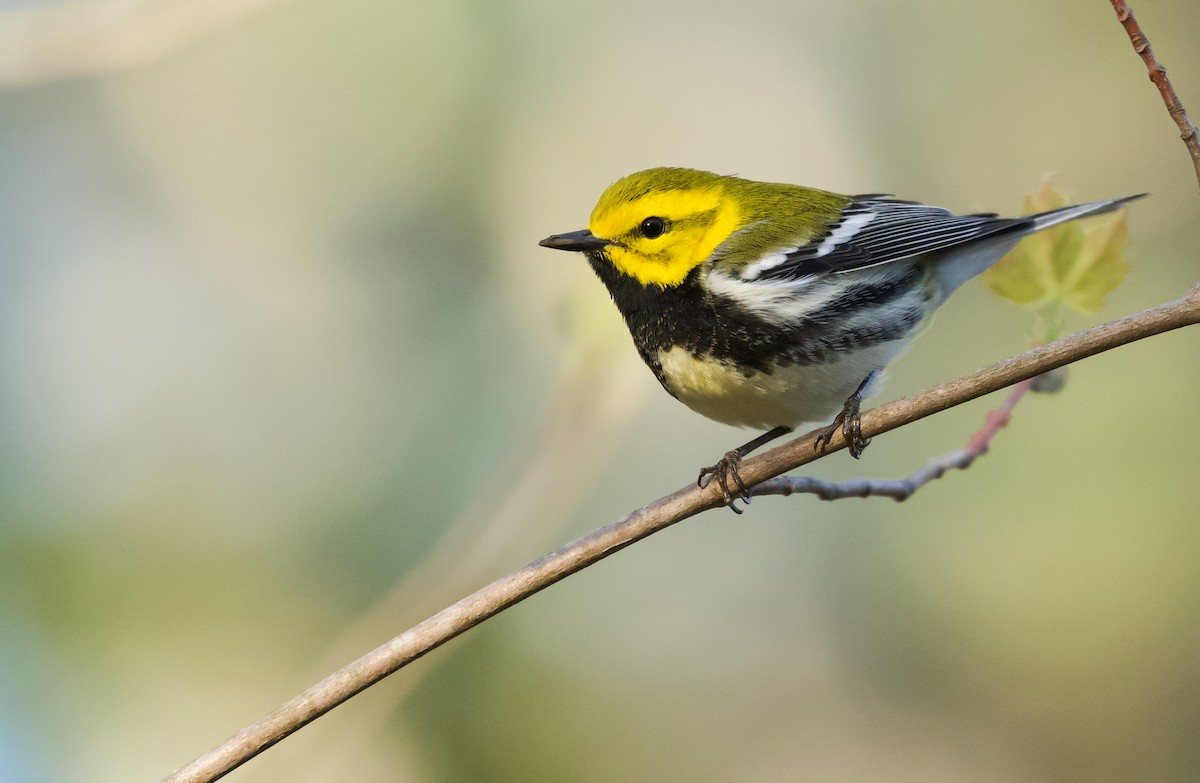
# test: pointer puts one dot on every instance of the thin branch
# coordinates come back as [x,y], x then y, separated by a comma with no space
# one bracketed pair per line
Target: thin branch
[1158,75]
[903,489]
[684,503]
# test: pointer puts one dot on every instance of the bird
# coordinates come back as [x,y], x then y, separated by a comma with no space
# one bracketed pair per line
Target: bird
[769,305]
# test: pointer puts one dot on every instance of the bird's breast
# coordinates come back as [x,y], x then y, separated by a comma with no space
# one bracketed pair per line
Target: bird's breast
[786,395]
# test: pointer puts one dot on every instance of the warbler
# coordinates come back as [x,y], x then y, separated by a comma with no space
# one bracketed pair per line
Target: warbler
[769,305]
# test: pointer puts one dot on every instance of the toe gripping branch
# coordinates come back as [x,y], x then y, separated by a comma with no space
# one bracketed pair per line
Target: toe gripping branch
[722,472]
[850,420]
[726,469]
[725,472]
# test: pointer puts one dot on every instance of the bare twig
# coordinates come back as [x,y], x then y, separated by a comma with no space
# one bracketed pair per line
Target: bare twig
[903,489]
[684,503]
[1158,75]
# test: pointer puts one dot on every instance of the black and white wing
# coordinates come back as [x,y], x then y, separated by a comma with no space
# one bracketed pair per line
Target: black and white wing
[875,230]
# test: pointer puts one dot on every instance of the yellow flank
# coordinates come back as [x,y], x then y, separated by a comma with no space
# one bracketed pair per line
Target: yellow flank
[700,219]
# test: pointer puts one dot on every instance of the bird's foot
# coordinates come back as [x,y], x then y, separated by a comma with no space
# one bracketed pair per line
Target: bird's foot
[850,421]
[725,471]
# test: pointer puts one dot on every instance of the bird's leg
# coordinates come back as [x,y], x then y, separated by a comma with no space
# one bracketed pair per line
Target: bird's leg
[726,468]
[850,421]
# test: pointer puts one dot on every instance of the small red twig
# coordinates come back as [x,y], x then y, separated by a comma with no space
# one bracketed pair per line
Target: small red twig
[1158,75]
[903,489]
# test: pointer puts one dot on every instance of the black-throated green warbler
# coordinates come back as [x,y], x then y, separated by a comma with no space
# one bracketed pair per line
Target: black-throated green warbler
[769,305]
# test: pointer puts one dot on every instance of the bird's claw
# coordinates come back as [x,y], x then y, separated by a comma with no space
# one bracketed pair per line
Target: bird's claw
[726,469]
[850,421]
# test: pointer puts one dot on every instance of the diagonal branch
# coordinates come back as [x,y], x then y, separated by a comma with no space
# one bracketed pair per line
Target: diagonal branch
[662,513]
[1158,75]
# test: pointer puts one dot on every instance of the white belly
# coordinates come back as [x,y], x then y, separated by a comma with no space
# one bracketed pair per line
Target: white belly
[789,396]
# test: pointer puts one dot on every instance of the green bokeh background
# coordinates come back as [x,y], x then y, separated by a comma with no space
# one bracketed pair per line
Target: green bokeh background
[283,371]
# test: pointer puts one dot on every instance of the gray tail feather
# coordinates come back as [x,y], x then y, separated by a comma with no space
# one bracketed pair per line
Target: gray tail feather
[1064,214]
[971,261]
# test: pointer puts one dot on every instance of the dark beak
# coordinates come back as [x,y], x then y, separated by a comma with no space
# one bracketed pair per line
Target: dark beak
[579,241]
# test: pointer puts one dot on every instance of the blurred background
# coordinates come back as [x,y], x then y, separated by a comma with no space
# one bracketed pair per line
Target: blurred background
[283,371]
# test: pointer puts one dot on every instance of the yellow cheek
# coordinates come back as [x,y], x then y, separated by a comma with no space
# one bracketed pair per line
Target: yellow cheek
[728,220]
[666,261]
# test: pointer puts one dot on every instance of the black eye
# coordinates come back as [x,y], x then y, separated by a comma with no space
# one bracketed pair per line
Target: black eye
[653,227]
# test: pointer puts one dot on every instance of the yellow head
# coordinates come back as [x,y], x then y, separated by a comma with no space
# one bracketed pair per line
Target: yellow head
[657,225]
[663,223]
